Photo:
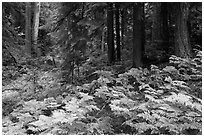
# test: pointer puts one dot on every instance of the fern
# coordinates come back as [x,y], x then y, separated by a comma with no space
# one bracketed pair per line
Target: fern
[140,101]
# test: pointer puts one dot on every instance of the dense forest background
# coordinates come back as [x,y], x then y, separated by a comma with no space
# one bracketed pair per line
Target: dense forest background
[101,68]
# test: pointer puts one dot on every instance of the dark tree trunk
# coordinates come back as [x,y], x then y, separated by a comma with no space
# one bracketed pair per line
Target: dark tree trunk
[117,25]
[156,23]
[165,26]
[182,45]
[160,29]
[123,16]
[110,35]
[138,34]
[103,40]
[28,37]
[171,27]
[143,30]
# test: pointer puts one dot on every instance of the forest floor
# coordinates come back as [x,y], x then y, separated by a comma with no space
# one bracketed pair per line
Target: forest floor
[165,100]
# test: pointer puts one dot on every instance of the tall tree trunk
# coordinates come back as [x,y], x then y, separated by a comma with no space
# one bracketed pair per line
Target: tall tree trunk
[123,17]
[28,38]
[138,28]
[143,30]
[171,27]
[165,26]
[156,23]
[160,31]
[110,35]
[103,40]
[117,25]
[182,45]
[36,26]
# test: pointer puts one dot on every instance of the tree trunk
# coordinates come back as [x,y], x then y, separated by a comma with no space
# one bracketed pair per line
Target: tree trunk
[138,28]
[103,40]
[143,30]
[36,26]
[28,45]
[123,16]
[182,46]
[165,26]
[156,23]
[110,35]
[117,25]
[171,27]
[160,31]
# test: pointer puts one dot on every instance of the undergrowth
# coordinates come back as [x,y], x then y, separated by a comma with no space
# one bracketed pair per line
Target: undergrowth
[140,101]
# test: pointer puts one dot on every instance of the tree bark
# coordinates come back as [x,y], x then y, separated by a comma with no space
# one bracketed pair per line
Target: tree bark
[143,30]
[103,40]
[160,31]
[123,17]
[117,25]
[156,23]
[36,27]
[138,28]
[110,34]
[165,26]
[28,38]
[182,45]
